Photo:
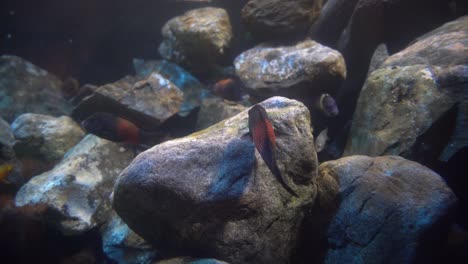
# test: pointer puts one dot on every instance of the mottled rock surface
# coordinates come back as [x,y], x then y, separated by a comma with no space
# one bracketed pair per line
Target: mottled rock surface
[211,194]
[214,110]
[45,137]
[26,88]
[77,189]
[394,22]
[121,244]
[270,19]
[405,107]
[303,69]
[391,210]
[396,106]
[197,39]
[194,91]
[147,101]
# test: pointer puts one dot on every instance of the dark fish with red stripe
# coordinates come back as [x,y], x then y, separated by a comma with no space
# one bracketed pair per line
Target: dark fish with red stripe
[228,89]
[264,139]
[117,129]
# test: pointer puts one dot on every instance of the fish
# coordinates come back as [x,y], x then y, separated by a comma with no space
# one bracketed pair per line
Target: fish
[117,129]
[321,140]
[263,137]
[5,170]
[228,89]
[327,105]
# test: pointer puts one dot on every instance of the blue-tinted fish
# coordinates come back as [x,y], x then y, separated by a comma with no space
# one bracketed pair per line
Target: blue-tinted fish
[328,105]
[264,139]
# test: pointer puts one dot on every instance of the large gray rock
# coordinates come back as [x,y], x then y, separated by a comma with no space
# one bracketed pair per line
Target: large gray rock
[45,137]
[147,101]
[391,210]
[197,39]
[402,110]
[396,106]
[121,244]
[26,88]
[77,189]
[374,22]
[303,69]
[210,193]
[214,110]
[194,91]
[278,18]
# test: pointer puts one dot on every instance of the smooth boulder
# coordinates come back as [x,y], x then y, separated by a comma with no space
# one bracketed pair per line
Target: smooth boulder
[304,69]
[391,210]
[198,39]
[212,195]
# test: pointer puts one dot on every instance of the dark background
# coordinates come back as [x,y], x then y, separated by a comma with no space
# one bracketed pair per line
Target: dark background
[95,41]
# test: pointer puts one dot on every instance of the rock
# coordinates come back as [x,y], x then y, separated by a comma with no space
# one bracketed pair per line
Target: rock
[396,106]
[188,260]
[304,69]
[147,102]
[214,110]
[380,21]
[421,102]
[77,189]
[444,46]
[268,19]
[392,210]
[45,137]
[124,246]
[194,91]
[26,88]
[197,39]
[210,194]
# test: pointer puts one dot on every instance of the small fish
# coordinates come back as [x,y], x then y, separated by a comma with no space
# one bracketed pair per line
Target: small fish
[264,139]
[321,140]
[228,89]
[117,129]
[5,170]
[328,105]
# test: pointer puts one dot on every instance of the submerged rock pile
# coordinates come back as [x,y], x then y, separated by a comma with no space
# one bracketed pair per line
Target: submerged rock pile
[216,182]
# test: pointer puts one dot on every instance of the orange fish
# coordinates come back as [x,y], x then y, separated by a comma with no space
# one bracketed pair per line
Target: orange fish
[117,129]
[5,170]
[228,89]
[264,139]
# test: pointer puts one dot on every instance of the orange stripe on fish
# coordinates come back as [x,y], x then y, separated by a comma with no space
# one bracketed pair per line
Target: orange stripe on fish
[264,139]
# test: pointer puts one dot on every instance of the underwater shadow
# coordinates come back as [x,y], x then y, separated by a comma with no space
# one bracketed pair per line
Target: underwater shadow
[235,170]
